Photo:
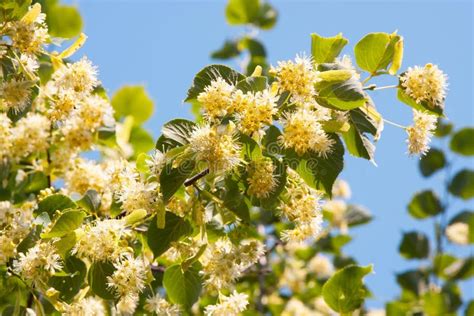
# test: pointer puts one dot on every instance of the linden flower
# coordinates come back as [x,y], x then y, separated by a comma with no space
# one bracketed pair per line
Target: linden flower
[79,77]
[139,195]
[295,307]
[427,84]
[261,179]
[156,162]
[100,240]
[5,136]
[85,175]
[302,207]
[341,189]
[294,275]
[94,112]
[29,36]
[258,113]
[39,262]
[321,266]
[89,306]
[217,146]
[14,95]
[297,77]
[231,305]
[458,233]
[216,98]
[303,132]
[158,305]
[224,262]
[62,106]
[30,135]
[346,63]
[28,62]
[127,281]
[7,248]
[419,134]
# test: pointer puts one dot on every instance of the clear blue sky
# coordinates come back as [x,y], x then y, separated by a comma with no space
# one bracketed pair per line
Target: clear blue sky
[162,44]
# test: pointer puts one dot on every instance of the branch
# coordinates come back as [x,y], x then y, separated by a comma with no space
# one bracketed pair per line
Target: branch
[195,178]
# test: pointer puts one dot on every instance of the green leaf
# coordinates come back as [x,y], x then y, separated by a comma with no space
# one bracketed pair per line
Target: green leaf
[462,185]
[53,203]
[443,128]
[97,279]
[69,285]
[414,245]
[229,50]
[182,287]
[175,133]
[463,142]
[66,243]
[463,269]
[133,101]
[171,179]
[253,84]
[344,292]
[234,199]
[375,51]
[442,264]
[319,173]
[267,17]
[362,121]
[204,77]
[333,244]
[422,106]
[64,21]
[159,240]
[346,95]
[424,204]
[90,201]
[240,12]
[66,223]
[34,182]
[357,215]
[326,49]
[414,281]
[433,161]
[141,140]
[14,9]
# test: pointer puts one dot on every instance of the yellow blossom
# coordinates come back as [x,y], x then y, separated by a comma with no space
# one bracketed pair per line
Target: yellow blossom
[216,146]
[425,84]
[232,305]
[419,134]
[261,179]
[216,98]
[30,135]
[297,77]
[14,94]
[303,132]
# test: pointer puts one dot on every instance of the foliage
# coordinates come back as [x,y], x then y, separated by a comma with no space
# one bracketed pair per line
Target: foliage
[226,213]
[433,287]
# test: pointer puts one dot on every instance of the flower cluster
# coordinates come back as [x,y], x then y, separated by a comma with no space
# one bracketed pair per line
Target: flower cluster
[302,207]
[425,84]
[419,134]
[260,177]
[224,262]
[128,280]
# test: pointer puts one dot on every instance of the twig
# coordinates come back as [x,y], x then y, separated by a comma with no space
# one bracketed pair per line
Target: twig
[196,177]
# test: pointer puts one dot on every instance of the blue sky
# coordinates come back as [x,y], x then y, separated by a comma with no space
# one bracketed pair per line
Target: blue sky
[162,44]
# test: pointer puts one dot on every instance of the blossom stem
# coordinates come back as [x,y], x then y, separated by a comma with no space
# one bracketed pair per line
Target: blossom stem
[394,124]
[374,87]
